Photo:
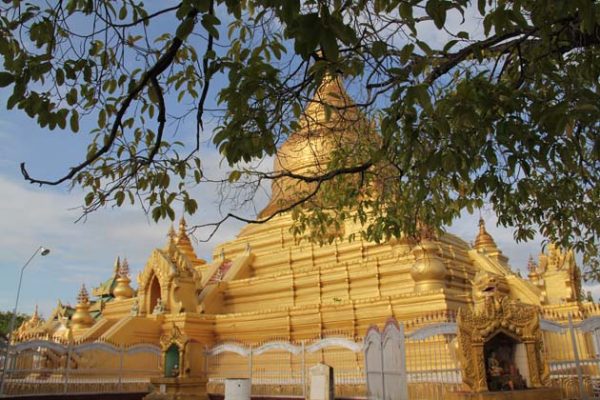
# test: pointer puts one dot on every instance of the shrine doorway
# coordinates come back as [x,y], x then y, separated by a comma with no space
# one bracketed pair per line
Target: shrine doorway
[172,361]
[154,293]
[505,363]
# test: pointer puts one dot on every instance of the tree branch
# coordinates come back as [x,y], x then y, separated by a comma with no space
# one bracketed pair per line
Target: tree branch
[163,63]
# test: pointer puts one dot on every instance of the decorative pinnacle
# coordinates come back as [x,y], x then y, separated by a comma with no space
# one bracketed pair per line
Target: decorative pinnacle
[171,234]
[531,265]
[182,226]
[117,265]
[124,270]
[83,297]
[484,239]
[36,314]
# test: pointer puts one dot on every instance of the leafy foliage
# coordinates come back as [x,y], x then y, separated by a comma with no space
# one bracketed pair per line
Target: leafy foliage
[502,110]
[5,317]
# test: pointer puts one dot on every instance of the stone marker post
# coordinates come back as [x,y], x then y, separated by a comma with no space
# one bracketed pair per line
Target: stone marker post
[322,386]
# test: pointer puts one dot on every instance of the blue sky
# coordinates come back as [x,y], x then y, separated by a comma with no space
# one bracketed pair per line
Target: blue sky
[84,252]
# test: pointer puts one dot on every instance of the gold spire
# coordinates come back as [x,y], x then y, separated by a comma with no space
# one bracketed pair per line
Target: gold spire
[123,290]
[117,265]
[83,297]
[183,241]
[36,315]
[331,122]
[182,226]
[171,234]
[330,104]
[531,265]
[124,270]
[484,240]
[82,318]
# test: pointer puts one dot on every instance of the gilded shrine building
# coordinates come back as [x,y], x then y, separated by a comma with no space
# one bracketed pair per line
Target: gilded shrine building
[264,285]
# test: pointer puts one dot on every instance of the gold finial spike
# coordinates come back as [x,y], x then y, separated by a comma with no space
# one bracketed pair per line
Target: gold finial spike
[83,297]
[531,265]
[182,225]
[117,265]
[124,270]
[36,315]
[171,234]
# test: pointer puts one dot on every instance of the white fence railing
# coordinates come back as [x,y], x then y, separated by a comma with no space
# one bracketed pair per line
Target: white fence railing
[418,363]
[285,364]
[40,367]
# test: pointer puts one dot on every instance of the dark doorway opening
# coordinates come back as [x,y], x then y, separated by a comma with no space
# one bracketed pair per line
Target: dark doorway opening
[501,366]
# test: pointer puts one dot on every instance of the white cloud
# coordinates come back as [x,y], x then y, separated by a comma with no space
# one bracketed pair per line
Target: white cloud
[80,252]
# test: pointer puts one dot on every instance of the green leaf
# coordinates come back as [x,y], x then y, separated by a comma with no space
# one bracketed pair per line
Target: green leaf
[378,49]
[190,206]
[481,7]
[329,46]
[89,198]
[234,176]
[74,121]
[119,197]
[185,28]
[436,9]
[209,22]
[406,10]
[6,79]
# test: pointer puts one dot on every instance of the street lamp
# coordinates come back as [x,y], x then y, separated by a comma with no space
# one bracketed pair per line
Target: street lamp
[43,251]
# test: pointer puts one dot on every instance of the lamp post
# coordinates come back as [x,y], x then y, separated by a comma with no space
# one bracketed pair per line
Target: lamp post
[43,251]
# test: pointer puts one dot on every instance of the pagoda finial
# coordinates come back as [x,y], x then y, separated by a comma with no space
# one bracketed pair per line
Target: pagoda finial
[531,265]
[171,234]
[122,290]
[83,297]
[124,269]
[36,314]
[82,318]
[182,226]
[484,240]
[117,265]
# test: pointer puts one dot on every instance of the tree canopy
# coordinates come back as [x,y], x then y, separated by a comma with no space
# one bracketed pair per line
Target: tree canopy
[5,317]
[470,103]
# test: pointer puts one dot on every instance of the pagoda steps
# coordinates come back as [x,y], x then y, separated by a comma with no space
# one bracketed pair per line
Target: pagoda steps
[316,286]
[132,330]
[350,318]
[300,259]
[275,250]
[330,284]
[97,330]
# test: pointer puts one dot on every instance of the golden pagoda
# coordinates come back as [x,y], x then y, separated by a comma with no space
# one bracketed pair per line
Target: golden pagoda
[264,285]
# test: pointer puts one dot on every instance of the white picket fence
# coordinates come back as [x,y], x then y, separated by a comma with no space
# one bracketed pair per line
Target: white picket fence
[41,367]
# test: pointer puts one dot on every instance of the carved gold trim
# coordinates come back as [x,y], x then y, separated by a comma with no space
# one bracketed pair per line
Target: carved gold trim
[499,314]
[181,341]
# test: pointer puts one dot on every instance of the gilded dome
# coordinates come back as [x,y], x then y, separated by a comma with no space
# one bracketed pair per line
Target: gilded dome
[330,123]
